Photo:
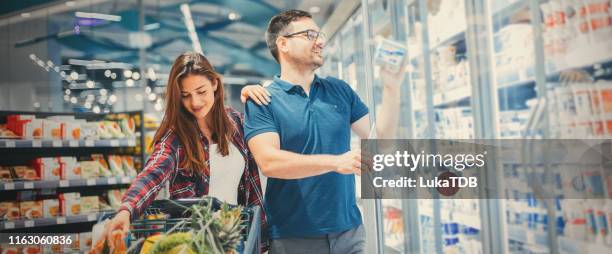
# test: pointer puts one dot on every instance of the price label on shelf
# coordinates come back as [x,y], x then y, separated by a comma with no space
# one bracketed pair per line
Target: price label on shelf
[57,143]
[29,223]
[28,185]
[64,183]
[9,225]
[112,180]
[36,143]
[61,220]
[9,143]
[132,142]
[9,186]
[73,143]
[91,182]
[125,179]
[114,143]
[92,217]
[89,143]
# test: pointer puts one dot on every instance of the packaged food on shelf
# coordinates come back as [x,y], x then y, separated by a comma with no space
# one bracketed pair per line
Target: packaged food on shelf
[75,245]
[53,249]
[85,240]
[10,249]
[5,133]
[70,203]
[114,198]
[128,166]
[51,208]
[5,175]
[90,169]
[32,249]
[10,210]
[128,126]
[90,204]
[53,129]
[89,130]
[103,166]
[113,128]
[25,126]
[31,209]
[102,131]
[72,130]
[116,165]
[49,168]
[26,173]
[104,205]
[71,168]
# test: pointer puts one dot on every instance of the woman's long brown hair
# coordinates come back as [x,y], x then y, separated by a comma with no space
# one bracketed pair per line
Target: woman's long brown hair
[182,122]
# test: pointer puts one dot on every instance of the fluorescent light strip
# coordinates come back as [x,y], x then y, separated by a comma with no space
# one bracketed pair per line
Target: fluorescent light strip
[92,15]
[191,28]
[152,26]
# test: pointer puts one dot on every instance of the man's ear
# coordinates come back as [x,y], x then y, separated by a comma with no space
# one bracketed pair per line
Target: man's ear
[281,44]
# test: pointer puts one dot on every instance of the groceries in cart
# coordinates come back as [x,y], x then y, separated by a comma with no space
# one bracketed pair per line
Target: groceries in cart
[185,226]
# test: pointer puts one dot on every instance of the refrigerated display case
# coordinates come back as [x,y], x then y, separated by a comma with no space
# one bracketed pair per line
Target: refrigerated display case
[491,69]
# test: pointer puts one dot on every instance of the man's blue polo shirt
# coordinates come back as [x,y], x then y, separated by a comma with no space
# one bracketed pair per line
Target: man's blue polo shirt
[318,123]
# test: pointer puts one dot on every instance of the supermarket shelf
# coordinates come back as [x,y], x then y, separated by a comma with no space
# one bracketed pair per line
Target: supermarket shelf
[42,222]
[596,54]
[524,235]
[568,245]
[455,36]
[508,9]
[18,143]
[471,220]
[452,95]
[29,185]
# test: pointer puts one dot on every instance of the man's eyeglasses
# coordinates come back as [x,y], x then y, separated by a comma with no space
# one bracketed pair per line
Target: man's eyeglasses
[311,35]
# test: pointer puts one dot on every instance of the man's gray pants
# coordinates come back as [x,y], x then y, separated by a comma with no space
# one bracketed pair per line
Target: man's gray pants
[348,242]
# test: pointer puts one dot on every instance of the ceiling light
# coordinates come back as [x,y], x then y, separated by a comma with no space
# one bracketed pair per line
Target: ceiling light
[314,9]
[151,26]
[148,90]
[129,82]
[93,15]
[127,73]
[158,106]
[67,91]
[96,109]
[136,76]
[112,98]
[103,92]
[113,75]
[73,100]
[87,105]
[107,73]
[25,15]
[90,84]
[152,96]
[74,75]
[233,16]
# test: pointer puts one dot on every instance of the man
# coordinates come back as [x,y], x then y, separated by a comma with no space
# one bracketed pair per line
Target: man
[301,141]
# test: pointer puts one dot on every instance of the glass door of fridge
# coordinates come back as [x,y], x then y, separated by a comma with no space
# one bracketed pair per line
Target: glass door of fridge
[555,55]
[380,21]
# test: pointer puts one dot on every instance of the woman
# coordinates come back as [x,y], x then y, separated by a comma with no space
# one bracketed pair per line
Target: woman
[199,148]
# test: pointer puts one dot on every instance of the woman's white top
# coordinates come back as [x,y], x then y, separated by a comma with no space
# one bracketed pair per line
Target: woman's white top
[225,173]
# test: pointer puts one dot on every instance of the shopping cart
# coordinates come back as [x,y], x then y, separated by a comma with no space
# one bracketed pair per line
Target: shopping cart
[164,215]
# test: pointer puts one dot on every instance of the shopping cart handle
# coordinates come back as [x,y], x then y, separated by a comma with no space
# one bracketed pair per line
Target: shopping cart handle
[176,208]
